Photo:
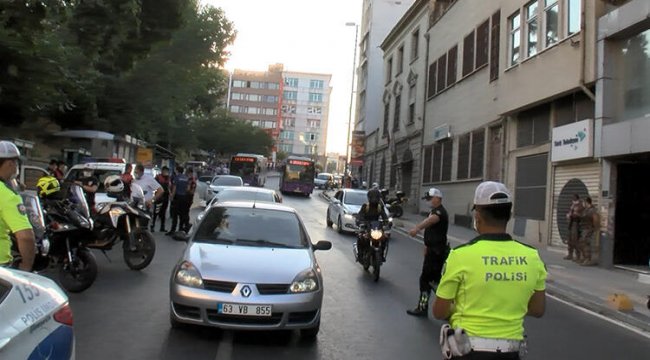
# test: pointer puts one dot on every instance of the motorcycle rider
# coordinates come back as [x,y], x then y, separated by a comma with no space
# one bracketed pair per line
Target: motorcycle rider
[13,214]
[370,211]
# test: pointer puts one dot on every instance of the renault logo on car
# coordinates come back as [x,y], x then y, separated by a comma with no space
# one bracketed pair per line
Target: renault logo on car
[245,291]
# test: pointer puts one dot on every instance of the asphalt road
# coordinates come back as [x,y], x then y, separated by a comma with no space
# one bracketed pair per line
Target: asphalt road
[125,314]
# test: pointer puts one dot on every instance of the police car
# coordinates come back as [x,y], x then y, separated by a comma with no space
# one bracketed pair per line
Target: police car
[36,318]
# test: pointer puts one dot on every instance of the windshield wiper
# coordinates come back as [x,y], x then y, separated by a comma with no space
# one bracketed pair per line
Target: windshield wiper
[217,240]
[266,242]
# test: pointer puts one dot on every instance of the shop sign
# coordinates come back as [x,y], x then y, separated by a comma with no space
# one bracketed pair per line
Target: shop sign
[573,141]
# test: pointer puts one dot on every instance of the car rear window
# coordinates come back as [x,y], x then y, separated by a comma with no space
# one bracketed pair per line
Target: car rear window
[227,181]
[355,198]
[234,195]
[76,174]
[251,227]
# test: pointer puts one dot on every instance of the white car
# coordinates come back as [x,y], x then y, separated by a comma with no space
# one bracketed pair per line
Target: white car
[344,207]
[324,180]
[100,171]
[219,183]
[36,318]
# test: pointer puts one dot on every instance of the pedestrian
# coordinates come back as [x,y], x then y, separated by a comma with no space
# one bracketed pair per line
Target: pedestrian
[53,170]
[153,191]
[62,168]
[589,232]
[489,285]
[178,193]
[191,190]
[163,203]
[89,183]
[13,213]
[127,179]
[436,249]
[574,215]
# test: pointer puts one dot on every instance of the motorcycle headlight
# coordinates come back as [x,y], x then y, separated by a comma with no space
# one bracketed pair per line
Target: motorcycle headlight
[305,282]
[376,234]
[188,275]
[116,212]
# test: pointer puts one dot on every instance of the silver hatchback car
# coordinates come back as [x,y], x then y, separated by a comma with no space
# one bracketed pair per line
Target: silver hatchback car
[249,266]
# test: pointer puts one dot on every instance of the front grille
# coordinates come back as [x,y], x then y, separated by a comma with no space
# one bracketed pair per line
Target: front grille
[219,286]
[214,316]
[273,289]
[189,312]
[302,317]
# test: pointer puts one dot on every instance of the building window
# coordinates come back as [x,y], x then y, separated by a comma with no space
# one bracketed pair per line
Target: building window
[316,84]
[494,45]
[634,73]
[533,126]
[238,83]
[286,148]
[270,98]
[515,38]
[442,70]
[452,60]
[273,86]
[288,109]
[314,110]
[267,124]
[314,123]
[311,137]
[400,60]
[291,82]
[463,157]
[441,161]
[411,114]
[290,95]
[389,70]
[236,96]
[286,135]
[382,172]
[256,85]
[386,119]
[478,154]
[574,16]
[552,21]
[431,86]
[532,26]
[255,123]
[270,111]
[310,149]
[468,54]
[530,186]
[398,109]
[289,122]
[415,45]
[428,159]
[315,97]
[482,43]
[234,108]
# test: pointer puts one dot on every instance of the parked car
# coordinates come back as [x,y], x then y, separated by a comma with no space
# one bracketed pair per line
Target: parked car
[249,266]
[36,317]
[202,185]
[219,183]
[324,180]
[344,207]
[100,170]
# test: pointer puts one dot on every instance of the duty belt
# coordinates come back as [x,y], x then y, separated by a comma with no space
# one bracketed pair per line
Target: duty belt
[494,345]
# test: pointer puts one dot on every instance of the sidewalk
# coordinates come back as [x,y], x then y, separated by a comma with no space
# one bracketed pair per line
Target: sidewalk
[588,287]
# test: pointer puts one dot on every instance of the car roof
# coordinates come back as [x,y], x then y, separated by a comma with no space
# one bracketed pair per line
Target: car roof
[256,205]
[248,189]
[227,176]
[106,166]
[355,191]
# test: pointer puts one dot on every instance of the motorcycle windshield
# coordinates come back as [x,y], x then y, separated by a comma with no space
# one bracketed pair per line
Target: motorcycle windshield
[77,197]
[34,213]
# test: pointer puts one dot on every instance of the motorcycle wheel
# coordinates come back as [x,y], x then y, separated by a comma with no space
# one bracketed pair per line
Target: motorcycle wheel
[397,211]
[365,262]
[145,249]
[376,265]
[81,274]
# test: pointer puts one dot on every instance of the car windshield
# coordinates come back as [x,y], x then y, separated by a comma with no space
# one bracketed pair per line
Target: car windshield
[205,178]
[235,195]
[227,181]
[251,227]
[355,198]
[76,174]
[323,176]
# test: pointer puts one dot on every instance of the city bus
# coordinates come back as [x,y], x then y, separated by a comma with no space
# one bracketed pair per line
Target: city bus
[250,167]
[297,176]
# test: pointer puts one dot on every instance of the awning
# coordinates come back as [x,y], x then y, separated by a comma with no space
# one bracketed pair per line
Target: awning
[86,134]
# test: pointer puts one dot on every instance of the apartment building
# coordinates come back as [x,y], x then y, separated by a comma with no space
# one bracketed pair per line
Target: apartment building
[305,114]
[393,156]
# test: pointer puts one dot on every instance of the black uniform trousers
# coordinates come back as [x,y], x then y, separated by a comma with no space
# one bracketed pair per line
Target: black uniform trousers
[160,211]
[180,212]
[489,356]
[434,260]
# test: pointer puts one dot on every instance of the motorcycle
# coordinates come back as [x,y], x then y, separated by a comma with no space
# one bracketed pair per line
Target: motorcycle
[373,233]
[125,220]
[394,205]
[60,228]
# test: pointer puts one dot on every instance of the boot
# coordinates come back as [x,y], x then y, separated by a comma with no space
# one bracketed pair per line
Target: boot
[570,256]
[423,306]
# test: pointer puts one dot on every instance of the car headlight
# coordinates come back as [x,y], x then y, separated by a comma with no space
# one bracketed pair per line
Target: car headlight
[188,275]
[305,282]
[349,216]
[376,234]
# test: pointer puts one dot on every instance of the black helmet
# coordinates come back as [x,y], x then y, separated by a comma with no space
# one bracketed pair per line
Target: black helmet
[374,196]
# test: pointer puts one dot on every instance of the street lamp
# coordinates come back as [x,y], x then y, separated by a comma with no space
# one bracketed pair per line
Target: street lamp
[354,70]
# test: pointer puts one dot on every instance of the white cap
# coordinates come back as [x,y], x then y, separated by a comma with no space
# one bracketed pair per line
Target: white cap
[8,150]
[433,192]
[492,193]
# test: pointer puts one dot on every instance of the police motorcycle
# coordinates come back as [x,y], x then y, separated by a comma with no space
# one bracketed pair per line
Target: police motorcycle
[61,227]
[374,235]
[394,205]
[125,220]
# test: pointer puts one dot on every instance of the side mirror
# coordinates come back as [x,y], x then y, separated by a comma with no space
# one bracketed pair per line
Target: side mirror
[322,245]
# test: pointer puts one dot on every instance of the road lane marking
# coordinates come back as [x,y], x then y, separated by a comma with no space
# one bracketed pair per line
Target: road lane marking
[602,317]
[224,351]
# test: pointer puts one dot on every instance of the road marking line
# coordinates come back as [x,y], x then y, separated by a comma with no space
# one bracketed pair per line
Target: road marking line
[225,347]
[602,317]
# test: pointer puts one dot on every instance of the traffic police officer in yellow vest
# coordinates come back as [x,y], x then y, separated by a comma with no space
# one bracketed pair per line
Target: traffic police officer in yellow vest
[489,285]
[13,218]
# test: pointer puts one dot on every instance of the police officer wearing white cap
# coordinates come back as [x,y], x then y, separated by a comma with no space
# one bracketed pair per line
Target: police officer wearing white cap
[436,249]
[13,217]
[489,285]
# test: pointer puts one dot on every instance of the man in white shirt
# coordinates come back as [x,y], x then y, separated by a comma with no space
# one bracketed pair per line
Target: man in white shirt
[152,189]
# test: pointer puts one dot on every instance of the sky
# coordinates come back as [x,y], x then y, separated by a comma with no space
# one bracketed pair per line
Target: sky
[305,36]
